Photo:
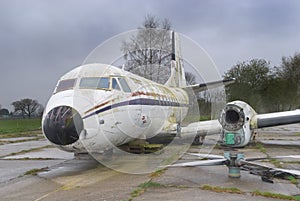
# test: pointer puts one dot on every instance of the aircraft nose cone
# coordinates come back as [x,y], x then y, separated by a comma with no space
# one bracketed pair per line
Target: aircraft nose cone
[62,125]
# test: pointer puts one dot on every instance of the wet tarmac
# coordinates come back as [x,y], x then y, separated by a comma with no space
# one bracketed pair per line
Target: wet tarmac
[12,148]
[33,171]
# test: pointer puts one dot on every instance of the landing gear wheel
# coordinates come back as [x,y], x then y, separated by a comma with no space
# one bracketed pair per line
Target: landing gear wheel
[198,140]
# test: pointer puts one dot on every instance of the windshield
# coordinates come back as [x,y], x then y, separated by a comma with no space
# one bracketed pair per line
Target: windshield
[94,83]
[117,83]
[65,85]
[124,85]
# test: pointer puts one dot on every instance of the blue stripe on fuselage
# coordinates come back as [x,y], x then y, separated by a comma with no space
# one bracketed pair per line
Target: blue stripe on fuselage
[139,101]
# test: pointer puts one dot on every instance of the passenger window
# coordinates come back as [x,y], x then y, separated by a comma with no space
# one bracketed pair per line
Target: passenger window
[115,84]
[65,85]
[124,85]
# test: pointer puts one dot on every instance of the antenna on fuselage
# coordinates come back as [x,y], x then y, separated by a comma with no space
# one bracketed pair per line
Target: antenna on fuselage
[177,77]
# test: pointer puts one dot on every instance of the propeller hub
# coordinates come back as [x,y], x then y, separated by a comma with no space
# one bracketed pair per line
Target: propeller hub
[233,163]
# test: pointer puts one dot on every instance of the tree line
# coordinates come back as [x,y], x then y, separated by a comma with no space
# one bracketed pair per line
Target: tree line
[266,88]
[24,108]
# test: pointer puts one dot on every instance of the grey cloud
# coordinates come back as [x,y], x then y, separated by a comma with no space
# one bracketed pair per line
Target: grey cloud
[41,40]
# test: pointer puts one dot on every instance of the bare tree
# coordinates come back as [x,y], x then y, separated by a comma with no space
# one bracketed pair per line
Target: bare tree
[148,53]
[151,22]
[190,78]
[40,110]
[27,107]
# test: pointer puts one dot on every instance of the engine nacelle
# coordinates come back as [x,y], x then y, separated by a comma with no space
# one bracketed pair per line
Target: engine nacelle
[236,119]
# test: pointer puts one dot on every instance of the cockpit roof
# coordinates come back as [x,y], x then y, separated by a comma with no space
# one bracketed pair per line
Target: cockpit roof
[94,70]
[94,76]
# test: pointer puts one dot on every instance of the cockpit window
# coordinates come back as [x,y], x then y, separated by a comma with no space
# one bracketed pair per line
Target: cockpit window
[118,83]
[115,84]
[94,83]
[90,83]
[124,85]
[65,85]
[103,83]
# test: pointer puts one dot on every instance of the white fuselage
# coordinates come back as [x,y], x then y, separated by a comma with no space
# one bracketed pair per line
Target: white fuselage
[124,107]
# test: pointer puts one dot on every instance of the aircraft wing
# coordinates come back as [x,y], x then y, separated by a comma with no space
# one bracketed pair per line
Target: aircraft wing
[202,128]
[204,86]
[276,119]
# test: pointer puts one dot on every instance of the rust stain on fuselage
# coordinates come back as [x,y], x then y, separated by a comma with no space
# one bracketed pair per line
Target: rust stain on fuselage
[152,94]
[97,106]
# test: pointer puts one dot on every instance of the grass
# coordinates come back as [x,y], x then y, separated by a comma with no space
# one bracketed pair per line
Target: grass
[261,148]
[13,126]
[27,151]
[21,134]
[18,141]
[218,189]
[157,173]
[276,163]
[35,171]
[150,184]
[293,180]
[275,195]
[143,187]
[30,159]
[293,162]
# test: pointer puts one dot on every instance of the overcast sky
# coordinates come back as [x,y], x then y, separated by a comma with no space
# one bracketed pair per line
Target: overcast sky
[40,40]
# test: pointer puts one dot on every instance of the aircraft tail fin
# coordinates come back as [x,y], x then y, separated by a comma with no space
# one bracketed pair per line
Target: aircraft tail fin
[177,78]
